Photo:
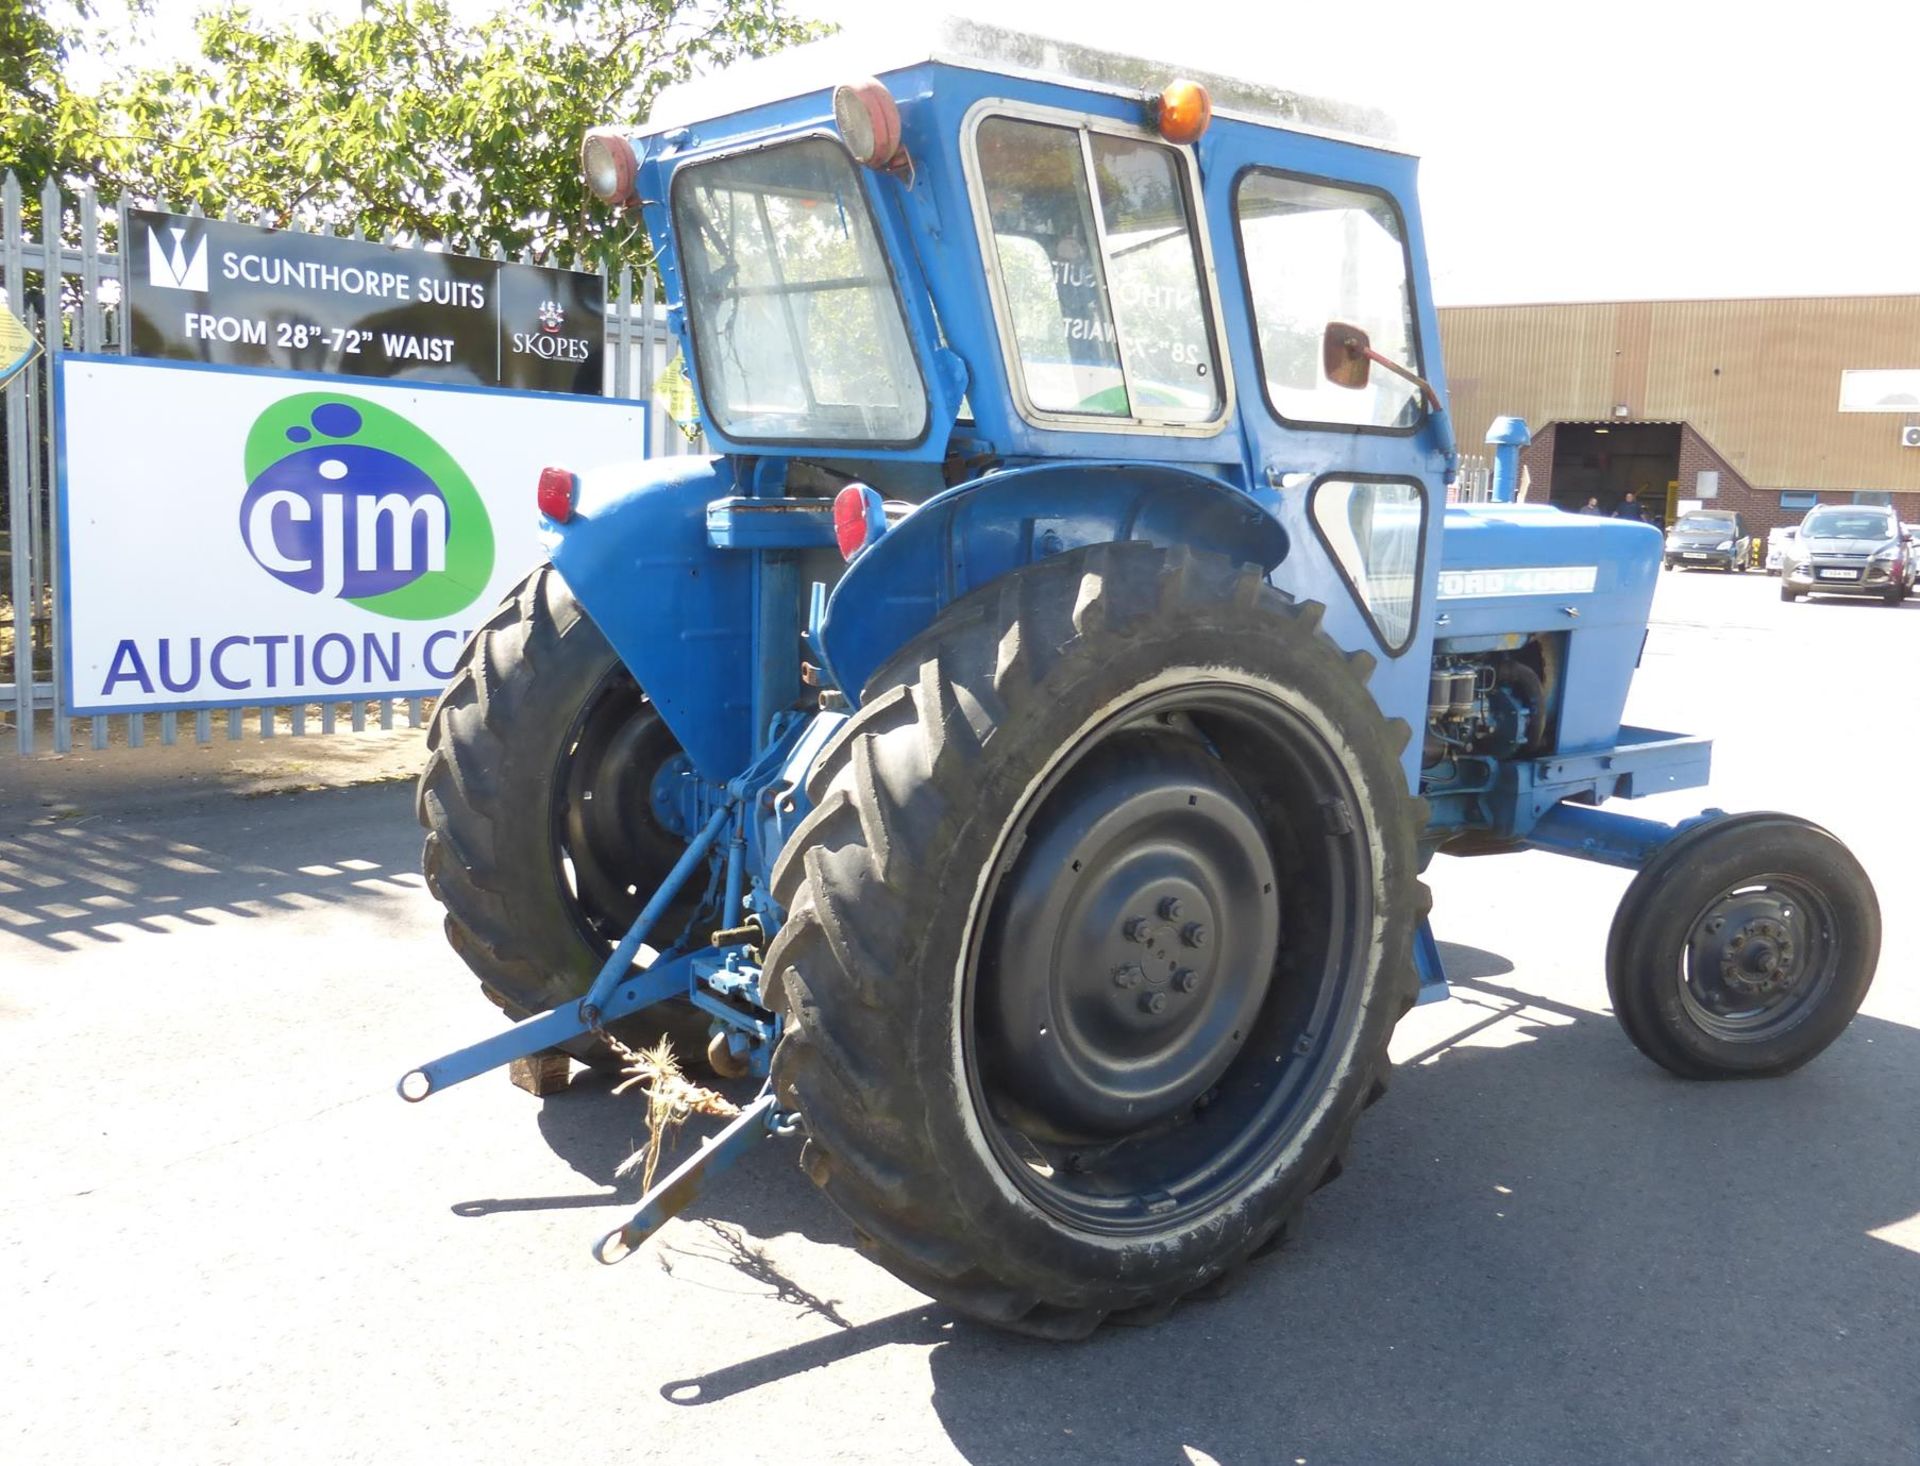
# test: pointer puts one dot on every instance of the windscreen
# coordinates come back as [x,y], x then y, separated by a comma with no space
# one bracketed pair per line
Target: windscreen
[1705,523]
[1847,524]
[797,331]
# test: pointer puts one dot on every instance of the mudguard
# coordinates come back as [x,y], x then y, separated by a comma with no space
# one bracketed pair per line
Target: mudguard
[974,533]
[678,612]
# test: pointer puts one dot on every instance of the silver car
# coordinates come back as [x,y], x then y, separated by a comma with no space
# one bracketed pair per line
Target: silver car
[1849,550]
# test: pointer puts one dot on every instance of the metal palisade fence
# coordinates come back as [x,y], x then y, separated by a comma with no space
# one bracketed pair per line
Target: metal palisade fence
[67,284]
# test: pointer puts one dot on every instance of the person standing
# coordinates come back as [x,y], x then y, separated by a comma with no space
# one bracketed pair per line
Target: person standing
[1629,508]
[1592,506]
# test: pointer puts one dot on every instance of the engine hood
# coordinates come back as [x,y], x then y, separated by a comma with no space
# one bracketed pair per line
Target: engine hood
[1839,545]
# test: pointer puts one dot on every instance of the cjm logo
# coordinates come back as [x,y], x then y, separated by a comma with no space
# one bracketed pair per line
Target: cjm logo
[325,543]
[170,266]
[349,501]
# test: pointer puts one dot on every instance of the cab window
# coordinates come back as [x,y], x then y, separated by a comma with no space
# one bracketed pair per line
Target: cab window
[1316,253]
[1101,294]
[1375,530]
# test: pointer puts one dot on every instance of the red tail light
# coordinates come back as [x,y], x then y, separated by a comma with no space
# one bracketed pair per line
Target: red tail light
[556,492]
[859,518]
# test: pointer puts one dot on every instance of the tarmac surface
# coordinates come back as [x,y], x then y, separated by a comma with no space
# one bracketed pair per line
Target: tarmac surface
[224,1239]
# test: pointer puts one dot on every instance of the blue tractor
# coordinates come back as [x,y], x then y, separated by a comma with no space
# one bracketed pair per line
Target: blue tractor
[1021,740]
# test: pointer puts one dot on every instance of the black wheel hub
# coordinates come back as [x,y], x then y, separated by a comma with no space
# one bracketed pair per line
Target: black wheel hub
[1753,957]
[1134,942]
[606,834]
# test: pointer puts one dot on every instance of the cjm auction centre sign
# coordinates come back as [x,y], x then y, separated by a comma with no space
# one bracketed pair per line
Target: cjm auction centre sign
[237,537]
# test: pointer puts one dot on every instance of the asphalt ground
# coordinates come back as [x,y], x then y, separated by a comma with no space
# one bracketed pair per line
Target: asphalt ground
[223,1239]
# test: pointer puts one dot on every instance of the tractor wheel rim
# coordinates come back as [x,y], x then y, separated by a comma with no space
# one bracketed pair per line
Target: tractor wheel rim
[1124,968]
[607,845]
[1758,957]
[1126,1115]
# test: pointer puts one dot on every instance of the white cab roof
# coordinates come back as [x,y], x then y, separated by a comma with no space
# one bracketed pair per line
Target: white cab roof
[982,47]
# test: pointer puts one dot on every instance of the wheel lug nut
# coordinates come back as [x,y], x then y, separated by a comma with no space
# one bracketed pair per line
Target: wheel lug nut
[1195,935]
[1153,1002]
[1186,979]
[1171,909]
[1138,929]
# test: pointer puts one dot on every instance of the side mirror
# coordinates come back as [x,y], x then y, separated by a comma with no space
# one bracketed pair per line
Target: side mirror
[1346,354]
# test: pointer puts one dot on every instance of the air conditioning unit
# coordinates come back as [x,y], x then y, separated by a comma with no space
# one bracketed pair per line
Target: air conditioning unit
[1910,437]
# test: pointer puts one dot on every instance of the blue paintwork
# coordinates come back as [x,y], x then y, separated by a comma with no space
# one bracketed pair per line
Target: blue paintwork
[1508,435]
[667,978]
[1604,836]
[1605,627]
[678,611]
[975,533]
[770,524]
[1427,964]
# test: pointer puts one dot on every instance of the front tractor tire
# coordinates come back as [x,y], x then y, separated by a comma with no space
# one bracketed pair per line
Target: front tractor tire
[1096,937]
[541,840]
[1743,948]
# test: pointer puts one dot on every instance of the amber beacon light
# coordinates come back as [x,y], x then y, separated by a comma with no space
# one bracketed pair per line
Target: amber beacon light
[1182,111]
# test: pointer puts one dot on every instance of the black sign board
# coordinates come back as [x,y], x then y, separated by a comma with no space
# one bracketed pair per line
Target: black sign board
[207,290]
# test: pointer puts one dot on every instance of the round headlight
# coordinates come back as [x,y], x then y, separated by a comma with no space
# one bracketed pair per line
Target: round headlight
[868,120]
[608,163]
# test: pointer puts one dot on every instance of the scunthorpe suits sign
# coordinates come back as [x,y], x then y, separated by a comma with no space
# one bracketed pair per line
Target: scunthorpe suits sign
[234,538]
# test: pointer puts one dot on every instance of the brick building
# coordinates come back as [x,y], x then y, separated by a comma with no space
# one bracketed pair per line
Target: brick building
[1764,406]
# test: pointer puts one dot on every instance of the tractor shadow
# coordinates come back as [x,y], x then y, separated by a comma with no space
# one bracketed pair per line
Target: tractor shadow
[1544,1249]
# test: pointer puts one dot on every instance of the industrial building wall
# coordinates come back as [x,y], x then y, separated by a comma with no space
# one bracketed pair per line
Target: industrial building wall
[1758,380]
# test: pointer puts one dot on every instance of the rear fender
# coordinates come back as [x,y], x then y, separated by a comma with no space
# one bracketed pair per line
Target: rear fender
[971,535]
[678,612]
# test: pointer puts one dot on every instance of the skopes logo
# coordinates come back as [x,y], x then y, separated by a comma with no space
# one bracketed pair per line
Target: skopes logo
[347,499]
[547,342]
[170,266]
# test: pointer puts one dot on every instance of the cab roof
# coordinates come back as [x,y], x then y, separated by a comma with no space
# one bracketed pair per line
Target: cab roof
[952,41]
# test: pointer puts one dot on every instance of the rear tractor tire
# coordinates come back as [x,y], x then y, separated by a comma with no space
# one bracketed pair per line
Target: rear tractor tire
[541,840]
[1096,936]
[1743,948]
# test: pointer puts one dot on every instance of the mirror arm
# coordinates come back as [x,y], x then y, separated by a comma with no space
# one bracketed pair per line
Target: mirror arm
[1426,387]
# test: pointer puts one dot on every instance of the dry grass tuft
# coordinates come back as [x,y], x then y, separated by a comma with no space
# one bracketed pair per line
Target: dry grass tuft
[671,1099]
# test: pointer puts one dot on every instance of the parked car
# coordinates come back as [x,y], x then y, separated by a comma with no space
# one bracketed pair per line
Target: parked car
[1709,539]
[1779,540]
[1849,550]
[1912,532]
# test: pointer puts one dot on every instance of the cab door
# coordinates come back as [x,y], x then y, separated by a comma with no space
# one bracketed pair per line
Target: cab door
[1311,231]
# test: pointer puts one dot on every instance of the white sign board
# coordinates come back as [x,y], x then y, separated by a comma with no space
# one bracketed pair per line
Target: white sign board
[1880,389]
[232,537]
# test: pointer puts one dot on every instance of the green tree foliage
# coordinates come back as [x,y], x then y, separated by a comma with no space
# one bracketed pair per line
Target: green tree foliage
[414,120]
[44,125]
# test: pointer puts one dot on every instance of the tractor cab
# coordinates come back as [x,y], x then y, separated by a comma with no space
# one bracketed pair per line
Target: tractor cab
[1178,305]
